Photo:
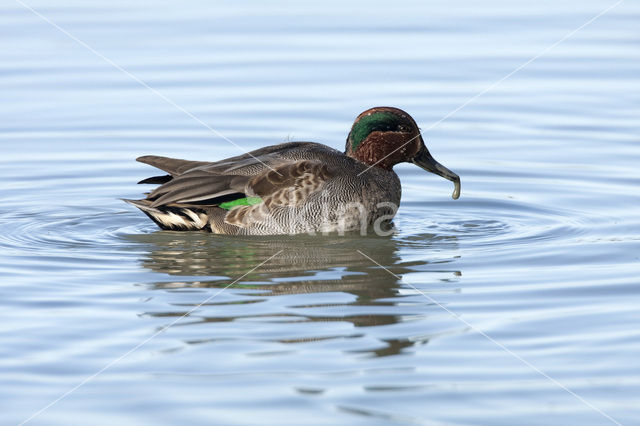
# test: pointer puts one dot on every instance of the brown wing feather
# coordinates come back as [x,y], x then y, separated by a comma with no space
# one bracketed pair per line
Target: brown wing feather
[187,188]
[265,172]
[288,185]
[173,166]
[285,176]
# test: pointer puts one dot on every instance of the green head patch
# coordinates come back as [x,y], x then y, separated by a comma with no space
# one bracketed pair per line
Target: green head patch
[378,121]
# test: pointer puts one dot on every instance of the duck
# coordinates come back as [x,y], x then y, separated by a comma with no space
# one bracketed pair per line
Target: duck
[294,187]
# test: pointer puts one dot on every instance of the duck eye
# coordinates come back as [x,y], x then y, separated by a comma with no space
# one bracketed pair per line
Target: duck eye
[403,128]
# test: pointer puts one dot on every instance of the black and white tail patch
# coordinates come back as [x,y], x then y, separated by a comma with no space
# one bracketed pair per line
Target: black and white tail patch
[174,218]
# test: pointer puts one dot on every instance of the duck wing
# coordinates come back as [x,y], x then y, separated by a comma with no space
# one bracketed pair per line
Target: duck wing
[280,173]
[262,156]
[289,184]
[173,166]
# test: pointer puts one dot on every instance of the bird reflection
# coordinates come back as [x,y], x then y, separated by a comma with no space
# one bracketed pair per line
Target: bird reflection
[305,265]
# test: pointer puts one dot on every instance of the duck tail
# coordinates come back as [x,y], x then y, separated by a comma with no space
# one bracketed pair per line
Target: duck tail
[173,218]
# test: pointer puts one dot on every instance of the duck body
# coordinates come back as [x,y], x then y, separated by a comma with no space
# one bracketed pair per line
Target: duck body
[290,188]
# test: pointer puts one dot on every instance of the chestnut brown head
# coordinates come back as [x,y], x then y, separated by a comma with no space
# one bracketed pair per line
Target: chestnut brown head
[385,136]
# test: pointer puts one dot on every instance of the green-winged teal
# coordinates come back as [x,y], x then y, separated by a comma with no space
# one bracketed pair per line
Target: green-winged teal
[294,187]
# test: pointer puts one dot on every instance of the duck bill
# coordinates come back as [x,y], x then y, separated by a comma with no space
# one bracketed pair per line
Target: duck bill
[425,161]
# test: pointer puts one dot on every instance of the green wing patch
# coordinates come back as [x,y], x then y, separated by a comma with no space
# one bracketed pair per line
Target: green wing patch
[247,201]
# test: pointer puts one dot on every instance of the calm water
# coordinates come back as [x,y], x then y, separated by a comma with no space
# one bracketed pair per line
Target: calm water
[502,302]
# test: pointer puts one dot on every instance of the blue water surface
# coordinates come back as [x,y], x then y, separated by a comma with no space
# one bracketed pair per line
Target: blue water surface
[516,304]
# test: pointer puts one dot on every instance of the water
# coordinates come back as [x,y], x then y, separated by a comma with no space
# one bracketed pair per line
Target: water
[517,304]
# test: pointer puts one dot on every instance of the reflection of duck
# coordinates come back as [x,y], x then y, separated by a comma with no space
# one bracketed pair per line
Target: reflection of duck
[295,187]
[305,265]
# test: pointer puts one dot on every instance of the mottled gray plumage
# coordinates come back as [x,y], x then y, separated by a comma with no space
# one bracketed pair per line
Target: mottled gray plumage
[312,188]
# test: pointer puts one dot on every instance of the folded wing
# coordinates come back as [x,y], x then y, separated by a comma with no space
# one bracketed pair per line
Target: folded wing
[268,173]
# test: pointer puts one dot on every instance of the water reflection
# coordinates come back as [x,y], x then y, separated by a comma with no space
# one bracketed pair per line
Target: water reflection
[370,295]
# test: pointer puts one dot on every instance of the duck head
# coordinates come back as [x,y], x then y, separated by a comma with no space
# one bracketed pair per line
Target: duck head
[385,136]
